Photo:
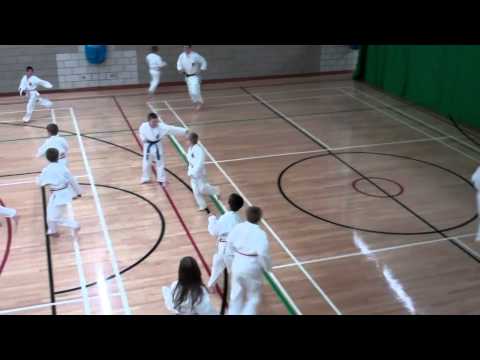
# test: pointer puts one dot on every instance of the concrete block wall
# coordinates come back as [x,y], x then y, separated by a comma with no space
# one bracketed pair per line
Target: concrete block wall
[337,58]
[66,67]
[74,71]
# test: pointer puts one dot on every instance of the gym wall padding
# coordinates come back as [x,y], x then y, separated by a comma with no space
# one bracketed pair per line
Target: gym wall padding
[442,78]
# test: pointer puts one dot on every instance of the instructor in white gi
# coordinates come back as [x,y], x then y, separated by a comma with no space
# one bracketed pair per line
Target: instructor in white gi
[191,64]
[28,86]
[152,133]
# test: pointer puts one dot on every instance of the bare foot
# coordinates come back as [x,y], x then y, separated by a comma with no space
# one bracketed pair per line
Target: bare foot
[76,232]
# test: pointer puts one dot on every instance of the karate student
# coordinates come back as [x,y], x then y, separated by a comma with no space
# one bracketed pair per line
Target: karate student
[220,228]
[152,133]
[188,295]
[63,188]
[155,64]
[191,64]
[9,213]
[57,142]
[28,86]
[249,245]
[198,173]
[476,182]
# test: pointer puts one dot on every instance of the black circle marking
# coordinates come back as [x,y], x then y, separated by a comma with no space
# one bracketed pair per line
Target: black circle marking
[150,252]
[282,192]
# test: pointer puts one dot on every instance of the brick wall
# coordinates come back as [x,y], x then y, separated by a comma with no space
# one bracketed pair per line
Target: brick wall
[66,66]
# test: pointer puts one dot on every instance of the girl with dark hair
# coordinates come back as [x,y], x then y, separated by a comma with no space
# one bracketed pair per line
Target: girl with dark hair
[188,295]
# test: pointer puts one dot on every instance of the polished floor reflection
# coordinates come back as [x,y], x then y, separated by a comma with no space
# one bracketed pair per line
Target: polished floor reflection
[367,200]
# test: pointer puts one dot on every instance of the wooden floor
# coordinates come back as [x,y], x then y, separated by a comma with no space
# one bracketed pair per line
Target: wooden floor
[367,200]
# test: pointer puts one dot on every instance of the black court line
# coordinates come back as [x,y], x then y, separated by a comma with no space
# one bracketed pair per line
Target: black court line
[184,91]
[144,257]
[419,217]
[411,118]
[49,254]
[457,126]
[12,175]
[66,135]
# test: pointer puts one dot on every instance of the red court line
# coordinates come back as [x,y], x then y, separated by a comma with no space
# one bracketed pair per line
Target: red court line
[9,242]
[170,200]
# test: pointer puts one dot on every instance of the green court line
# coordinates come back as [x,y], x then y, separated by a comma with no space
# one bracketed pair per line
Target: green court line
[290,308]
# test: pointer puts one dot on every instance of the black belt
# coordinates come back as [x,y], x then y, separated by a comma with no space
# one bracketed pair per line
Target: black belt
[149,147]
[190,75]
[54,190]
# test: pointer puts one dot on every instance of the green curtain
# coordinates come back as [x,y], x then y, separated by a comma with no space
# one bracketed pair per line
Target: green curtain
[443,78]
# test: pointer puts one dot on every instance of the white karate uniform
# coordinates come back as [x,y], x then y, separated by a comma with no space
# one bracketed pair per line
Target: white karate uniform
[7,212]
[191,65]
[153,148]
[29,86]
[204,307]
[476,182]
[198,175]
[249,245]
[63,187]
[220,228]
[55,142]
[155,63]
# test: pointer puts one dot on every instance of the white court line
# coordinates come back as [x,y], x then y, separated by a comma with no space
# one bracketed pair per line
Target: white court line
[345,256]
[40,306]
[395,118]
[418,109]
[103,223]
[32,181]
[246,95]
[333,149]
[78,257]
[54,118]
[23,111]
[78,260]
[282,244]
[271,275]
[305,131]
[248,102]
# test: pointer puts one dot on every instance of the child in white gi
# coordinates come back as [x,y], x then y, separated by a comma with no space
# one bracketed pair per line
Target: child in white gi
[55,141]
[198,173]
[63,188]
[155,64]
[191,64]
[152,133]
[188,295]
[10,214]
[220,228]
[249,245]
[28,86]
